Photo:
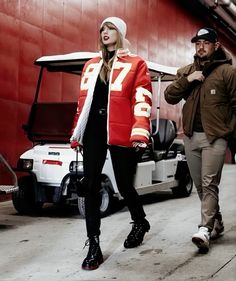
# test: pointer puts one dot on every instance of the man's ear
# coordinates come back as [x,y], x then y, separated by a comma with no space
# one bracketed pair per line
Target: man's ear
[217,45]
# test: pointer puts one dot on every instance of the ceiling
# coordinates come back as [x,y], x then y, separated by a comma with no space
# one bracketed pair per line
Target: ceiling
[224,11]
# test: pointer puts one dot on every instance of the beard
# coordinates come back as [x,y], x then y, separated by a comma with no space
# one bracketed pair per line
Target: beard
[203,58]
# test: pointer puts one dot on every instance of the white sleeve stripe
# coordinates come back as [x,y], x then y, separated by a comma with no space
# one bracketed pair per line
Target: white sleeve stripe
[144,91]
[141,132]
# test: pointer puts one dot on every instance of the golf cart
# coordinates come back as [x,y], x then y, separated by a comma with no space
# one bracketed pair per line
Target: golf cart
[52,172]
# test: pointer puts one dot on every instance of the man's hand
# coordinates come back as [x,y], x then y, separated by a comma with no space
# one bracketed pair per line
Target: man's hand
[196,75]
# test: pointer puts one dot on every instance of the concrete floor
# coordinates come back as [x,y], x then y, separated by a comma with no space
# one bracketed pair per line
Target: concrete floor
[50,247]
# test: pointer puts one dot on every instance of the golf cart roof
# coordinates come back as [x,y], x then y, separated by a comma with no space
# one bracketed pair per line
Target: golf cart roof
[74,62]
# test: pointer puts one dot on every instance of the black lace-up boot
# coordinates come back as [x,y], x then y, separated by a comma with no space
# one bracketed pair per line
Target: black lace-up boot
[135,237]
[94,257]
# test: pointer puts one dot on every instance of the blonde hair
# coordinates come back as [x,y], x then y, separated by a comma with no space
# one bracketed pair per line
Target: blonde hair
[107,61]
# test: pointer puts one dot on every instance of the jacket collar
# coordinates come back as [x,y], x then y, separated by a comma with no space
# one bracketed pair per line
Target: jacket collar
[123,52]
[120,52]
[220,56]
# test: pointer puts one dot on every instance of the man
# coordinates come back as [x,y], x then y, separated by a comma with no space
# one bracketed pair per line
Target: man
[209,117]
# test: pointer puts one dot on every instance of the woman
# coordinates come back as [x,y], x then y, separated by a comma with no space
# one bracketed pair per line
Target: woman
[113,113]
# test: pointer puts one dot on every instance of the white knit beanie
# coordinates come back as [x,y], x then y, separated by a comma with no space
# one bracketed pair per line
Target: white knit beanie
[118,23]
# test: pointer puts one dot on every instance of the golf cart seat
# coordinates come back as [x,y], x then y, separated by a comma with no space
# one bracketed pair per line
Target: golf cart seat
[163,139]
[165,135]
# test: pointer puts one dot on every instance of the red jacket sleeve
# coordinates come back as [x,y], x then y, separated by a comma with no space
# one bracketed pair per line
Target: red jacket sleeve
[141,104]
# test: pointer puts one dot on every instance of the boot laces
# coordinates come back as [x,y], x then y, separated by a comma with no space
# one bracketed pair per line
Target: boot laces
[86,244]
[137,229]
[93,247]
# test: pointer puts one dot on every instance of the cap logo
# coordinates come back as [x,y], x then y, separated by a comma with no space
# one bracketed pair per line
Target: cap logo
[207,34]
[202,32]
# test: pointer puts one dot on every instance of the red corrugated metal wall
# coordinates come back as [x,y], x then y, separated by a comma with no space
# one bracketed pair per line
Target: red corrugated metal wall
[159,31]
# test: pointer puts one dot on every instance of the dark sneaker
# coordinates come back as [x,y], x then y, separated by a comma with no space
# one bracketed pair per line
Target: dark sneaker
[94,257]
[135,237]
[218,229]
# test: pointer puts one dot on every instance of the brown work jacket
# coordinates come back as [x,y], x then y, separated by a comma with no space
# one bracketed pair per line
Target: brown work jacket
[217,94]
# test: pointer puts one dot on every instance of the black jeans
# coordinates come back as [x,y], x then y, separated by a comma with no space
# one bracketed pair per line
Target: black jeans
[124,162]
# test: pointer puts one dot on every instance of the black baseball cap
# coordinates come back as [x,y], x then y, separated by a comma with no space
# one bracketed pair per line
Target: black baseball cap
[206,33]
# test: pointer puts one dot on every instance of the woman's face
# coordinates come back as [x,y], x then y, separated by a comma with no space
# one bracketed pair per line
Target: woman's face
[109,36]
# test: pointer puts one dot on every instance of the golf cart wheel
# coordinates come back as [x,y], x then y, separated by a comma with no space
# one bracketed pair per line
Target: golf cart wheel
[24,199]
[107,200]
[184,189]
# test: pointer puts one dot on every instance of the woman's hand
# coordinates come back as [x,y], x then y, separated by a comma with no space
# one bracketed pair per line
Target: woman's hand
[74,144]
[139,145]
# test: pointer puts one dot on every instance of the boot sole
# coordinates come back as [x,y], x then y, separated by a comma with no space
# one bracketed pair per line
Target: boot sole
[92,267]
